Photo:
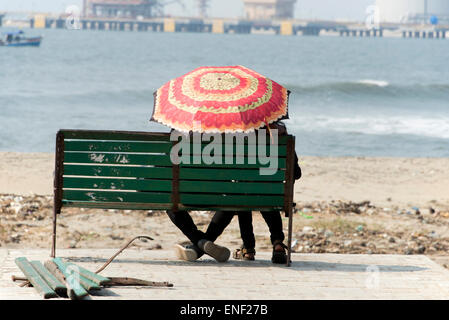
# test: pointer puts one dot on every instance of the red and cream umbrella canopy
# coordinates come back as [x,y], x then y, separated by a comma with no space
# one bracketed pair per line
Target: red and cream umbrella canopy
[220,100]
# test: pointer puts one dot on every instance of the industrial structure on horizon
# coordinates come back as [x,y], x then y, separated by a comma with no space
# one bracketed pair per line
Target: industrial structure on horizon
[134,9]
[145,9]
[203,5]
[417,12]
[413,11]
[423,19]
[269,9]
[131,9]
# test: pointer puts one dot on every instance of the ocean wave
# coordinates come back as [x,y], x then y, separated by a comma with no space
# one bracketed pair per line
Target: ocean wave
[425,127]
[378,83]
[92,96]
[371,88]
[360,89]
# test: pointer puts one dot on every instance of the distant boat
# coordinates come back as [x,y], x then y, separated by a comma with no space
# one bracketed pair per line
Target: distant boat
[18,39]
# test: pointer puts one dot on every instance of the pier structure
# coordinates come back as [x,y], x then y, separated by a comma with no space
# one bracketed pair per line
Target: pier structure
[410,32]
[287,27]
[423,34]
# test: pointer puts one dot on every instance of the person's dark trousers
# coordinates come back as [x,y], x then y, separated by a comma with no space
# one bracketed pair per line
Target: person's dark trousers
[184,222]
[222,219]
[274,222]
[219,222]
[246,229]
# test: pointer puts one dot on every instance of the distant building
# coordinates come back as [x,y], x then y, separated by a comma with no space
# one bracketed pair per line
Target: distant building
[413,11]
[1,20]
[131,9]
[269,9]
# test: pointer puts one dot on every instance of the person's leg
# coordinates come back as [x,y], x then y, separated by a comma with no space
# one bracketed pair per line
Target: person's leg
[219,222]
[184,222]
[247,251]
[274,222]
[200,241]
[246,229]
[222,219]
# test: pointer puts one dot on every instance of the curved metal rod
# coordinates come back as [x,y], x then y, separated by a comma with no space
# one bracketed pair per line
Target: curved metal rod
[120,251]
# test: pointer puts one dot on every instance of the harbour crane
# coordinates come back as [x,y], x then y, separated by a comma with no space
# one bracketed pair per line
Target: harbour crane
[202,5]
[160,5]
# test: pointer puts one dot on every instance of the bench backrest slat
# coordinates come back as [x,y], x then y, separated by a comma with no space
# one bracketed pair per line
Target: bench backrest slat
[160,160]
[117,171]
[107,135]
[118,146]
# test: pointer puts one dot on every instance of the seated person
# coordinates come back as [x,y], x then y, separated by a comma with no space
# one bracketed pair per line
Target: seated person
[272,218]
[222,219]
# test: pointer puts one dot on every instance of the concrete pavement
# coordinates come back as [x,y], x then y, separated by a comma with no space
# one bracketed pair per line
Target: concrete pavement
[312,276]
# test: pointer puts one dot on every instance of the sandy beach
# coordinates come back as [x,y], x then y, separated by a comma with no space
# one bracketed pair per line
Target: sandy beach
[383,181]
[344,205]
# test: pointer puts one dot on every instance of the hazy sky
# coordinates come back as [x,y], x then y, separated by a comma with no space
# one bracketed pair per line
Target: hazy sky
[311,9]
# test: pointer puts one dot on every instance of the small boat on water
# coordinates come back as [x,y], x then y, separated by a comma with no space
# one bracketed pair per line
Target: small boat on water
[18,39]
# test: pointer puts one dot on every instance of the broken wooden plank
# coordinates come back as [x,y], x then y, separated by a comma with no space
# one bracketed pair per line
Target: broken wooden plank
[35,279]
[53,268]
[72,280]
[57,286]
[96,278]
[86,283]
[88,279]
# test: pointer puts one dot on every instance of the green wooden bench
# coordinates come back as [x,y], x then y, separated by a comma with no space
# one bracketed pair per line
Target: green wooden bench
[133,171]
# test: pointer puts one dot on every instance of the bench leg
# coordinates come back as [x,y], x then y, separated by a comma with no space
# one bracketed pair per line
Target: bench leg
[289,241]
[53,246]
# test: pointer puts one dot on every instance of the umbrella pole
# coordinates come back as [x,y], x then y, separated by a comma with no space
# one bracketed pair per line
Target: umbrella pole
[269,131]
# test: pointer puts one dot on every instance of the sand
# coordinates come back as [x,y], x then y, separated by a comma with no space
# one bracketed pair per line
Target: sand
[326,219]
[383,181]
[26,173]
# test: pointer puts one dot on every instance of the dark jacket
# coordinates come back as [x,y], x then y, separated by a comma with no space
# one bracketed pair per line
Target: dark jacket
[282,129]
[298,172]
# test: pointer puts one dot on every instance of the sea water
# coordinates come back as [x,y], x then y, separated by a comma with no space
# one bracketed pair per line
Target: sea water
[349,96]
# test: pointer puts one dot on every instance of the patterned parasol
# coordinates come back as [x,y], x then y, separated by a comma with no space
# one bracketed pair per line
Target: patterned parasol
[220,99]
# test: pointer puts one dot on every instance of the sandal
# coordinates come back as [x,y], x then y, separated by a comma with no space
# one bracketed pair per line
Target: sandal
[279,256]
[244,254]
